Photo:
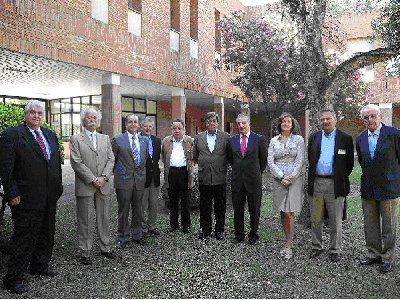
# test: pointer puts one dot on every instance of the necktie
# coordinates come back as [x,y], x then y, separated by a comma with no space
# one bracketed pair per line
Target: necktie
[93,141]
[150,148]
[135,151]
[41,144]
[243,145]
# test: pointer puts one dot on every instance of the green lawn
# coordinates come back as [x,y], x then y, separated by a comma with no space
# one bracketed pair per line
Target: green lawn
[355,176]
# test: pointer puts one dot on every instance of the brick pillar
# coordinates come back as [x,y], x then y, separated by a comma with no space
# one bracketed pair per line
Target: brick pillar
[219,108]
[111,104]
[178,103]
[387,112]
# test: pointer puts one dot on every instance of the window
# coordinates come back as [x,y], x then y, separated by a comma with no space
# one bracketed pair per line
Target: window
[194,29]
[175,25]
[217,32]
[100,10]
[140,107]
[135,17]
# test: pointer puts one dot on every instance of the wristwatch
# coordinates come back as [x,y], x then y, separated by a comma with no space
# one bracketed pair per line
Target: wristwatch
[105,178]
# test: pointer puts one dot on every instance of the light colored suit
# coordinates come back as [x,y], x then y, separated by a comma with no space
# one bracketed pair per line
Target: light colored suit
[89,163]
[129,181]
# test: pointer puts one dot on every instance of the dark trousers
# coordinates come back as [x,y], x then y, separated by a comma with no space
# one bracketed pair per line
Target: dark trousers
[254,205]
[207,194]
[32,242]
[178,190]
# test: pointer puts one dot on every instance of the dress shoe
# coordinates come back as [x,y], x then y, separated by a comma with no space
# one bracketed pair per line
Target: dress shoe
[367,261]
[237,240]
[146,234]
[139,242]
[186,230]
[86,261]
[109,255]
[48,273]
[18,288]
[203,235]
[385,267]
[121,244]
[154,232]
[219,236]
[315,253]
[173,229]
[334,257]
[253,240]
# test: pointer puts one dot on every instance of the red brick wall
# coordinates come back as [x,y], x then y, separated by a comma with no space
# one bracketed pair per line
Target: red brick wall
[64,30]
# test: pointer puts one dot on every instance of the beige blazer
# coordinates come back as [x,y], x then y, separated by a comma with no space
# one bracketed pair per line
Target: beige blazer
[166,151]
[89,163]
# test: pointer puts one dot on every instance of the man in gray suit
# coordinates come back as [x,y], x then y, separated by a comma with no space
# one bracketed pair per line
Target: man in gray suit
[92,160]
[130,150]
[209,152]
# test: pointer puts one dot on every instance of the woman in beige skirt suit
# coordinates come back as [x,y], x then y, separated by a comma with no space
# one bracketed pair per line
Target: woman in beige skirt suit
[285,161]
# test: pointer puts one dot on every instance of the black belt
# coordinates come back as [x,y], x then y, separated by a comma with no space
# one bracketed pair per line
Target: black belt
[324,176]
[179,168]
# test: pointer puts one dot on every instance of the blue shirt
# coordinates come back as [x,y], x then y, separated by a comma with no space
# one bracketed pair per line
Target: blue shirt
[43,138]
[325,162]
[372,140]
[211,139]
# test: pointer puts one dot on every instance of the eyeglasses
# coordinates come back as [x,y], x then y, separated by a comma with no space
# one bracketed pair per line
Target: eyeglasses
[34,112]
[372,117]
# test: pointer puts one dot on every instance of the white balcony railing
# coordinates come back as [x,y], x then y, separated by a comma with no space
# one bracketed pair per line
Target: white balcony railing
[194,49]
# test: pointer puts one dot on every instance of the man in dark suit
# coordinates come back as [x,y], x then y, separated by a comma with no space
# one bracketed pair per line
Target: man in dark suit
[209,152]
[30,170]
[331,160]
[378,150]
[247,154]
[152,185]
[130,151]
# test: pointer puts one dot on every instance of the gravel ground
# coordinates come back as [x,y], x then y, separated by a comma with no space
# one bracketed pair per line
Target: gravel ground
[181,266]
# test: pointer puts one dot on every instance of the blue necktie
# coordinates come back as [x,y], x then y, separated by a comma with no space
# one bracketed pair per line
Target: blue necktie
[150,148]
[135,151]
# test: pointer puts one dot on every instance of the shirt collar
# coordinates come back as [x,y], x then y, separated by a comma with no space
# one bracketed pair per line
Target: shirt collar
[175,141]
[247,135]
[88,133]
[377,131]
[215,133]
[132,136]
[33,131]
[329,135]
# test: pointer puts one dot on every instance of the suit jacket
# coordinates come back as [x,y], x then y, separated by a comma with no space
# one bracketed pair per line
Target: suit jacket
[343,161]
[89,163]
[126,174]
[247,170]
[380,179]
[166,150]
[24,170]
[212,166]
[152,166]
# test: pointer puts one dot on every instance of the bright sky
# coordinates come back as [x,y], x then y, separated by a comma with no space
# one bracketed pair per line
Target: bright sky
[256,2]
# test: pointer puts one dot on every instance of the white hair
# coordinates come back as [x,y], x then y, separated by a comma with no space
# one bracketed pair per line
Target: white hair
[93,110]
[369,107]
[31,103]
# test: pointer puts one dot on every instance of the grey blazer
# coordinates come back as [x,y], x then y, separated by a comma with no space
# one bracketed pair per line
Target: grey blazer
[126,174]
[212,166]
[89,163]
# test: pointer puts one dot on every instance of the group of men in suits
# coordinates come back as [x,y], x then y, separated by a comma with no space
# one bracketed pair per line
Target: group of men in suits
[30,169]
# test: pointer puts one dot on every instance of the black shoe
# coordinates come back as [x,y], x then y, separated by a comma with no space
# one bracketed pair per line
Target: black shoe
[367,261]
[237,240]
[334,257]
[18,288]
[154,232]
[253,240]
[146,234]
[203,235]
[121,244]
[109,255]
[139,242]
[315,253]
[86,261]
[219,236]
[186,230]
[48,273]
[173,228]
[385,267]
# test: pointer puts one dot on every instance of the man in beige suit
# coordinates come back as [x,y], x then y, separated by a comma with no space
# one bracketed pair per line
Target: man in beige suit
[92,160]
[209,151]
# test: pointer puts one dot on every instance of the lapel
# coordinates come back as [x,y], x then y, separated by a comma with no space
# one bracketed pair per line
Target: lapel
[364,149]
[235,144]
[203,137]
[381,139]
[143,149]
[318,139]
[28,137]
[85,139]
[127,144]
[250,142]
[53,146]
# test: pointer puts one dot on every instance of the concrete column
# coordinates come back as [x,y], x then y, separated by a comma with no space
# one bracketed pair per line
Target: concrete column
[111,104]
[387,113]
[219,108]
[178,101]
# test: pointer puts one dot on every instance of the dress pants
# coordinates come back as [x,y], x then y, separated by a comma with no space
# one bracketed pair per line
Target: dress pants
[85,208]
[324,196]
[130,200]
[150,206]
[207,194]
[178,190]
[254,205]
[380,223]
[32,241]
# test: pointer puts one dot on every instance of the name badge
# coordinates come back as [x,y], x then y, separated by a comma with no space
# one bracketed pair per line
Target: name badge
[342,151]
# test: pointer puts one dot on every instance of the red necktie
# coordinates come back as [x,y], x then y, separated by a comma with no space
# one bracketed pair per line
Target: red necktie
[243,145]
[41,144]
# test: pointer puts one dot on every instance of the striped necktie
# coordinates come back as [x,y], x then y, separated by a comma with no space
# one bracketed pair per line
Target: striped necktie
[40,141]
